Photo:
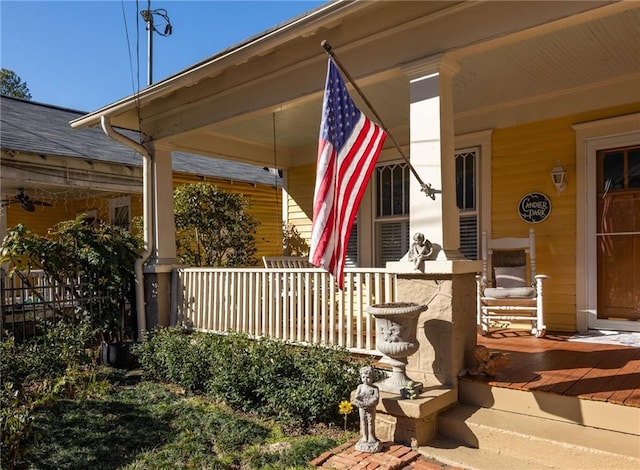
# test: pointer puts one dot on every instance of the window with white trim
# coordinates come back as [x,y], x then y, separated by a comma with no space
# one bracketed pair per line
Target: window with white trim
[467,161]
[120,212]
[391,216]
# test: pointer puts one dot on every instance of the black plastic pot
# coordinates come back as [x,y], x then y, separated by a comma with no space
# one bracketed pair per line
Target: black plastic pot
[115,355]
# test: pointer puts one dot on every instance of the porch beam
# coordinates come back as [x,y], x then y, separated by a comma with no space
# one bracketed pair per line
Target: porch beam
[241,150]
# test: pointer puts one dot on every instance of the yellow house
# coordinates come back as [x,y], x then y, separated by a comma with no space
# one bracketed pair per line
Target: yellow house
[63,172]
[492,104]
[486,99]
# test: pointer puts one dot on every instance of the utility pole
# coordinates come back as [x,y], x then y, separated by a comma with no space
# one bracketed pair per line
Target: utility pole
[147,16]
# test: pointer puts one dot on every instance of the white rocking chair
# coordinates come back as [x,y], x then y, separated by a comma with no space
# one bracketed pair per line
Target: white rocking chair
[286,262]
[507,290]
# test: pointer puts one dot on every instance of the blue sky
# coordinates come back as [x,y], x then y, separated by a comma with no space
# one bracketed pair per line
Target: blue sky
[86,54]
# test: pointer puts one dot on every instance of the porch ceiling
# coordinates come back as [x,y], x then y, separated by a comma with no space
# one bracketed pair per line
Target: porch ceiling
[576,52]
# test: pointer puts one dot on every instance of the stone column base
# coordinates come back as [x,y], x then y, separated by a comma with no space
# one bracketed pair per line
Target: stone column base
[408,431]
[412,422]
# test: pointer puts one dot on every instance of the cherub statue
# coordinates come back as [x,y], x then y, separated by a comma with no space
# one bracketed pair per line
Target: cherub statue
[420,250]
[366,399]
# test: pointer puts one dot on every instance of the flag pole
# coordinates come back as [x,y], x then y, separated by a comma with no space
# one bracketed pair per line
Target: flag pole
[426,188]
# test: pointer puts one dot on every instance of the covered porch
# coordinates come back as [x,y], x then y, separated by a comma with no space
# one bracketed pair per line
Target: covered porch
[446,77]
[562,364]
[304,306]
[557,402]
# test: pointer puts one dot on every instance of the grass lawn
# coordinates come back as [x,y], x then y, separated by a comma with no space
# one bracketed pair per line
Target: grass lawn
[136,424]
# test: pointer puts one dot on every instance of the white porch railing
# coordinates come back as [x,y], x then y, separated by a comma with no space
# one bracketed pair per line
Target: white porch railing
[297,305]
[30,287]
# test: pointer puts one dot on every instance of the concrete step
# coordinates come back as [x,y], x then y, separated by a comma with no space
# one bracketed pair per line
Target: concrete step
[590,413]
[450,452]
[483,438]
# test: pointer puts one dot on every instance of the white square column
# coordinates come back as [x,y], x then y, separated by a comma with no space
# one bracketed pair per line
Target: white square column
[165,239]
[157,271]
[433,155]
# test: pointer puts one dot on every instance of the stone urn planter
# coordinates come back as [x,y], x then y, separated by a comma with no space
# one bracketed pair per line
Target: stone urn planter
[396,325]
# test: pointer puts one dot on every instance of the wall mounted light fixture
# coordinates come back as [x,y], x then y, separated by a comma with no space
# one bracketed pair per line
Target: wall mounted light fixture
[559,177]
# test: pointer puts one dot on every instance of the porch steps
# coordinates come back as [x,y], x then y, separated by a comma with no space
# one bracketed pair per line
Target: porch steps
[569,409]
[511,433]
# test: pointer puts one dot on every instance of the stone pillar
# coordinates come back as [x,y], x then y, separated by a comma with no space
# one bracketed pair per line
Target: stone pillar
[433,154]
[446,336]
[447,329]
[163,257]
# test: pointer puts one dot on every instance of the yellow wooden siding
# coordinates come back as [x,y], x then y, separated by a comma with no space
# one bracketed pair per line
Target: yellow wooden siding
[266,207]
[44,218]
[522,159]
[301,184]
[136,205]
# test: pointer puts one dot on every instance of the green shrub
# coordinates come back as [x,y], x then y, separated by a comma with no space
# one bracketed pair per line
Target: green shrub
[100,255]
[46,357]
[213,227]
[301,385]
[16,424]
[35,372]
[172,355]
[234,371]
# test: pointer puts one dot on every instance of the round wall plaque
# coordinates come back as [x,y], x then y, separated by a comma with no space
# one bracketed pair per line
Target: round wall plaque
[534,207]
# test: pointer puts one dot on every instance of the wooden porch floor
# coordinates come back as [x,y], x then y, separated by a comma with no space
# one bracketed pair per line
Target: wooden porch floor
[602,372]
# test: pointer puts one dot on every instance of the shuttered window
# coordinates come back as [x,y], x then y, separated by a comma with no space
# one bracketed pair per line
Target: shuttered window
[466,197]
[394,241]
[120,212]
[391,212]
[351,260]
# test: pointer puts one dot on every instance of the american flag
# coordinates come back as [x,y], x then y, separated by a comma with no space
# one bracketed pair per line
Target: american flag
[348,148]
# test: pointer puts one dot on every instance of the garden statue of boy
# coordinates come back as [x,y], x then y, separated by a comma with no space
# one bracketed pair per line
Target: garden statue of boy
[366,399]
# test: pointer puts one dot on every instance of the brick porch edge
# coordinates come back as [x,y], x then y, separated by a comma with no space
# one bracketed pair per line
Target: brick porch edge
[393,457]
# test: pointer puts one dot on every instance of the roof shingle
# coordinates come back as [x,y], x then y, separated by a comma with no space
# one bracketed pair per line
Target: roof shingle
[31,127]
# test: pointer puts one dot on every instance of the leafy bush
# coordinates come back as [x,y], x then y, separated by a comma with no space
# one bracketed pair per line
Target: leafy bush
[213,227]
[171,355]
[99,258]
[300,385]
[35,372]
[46,357]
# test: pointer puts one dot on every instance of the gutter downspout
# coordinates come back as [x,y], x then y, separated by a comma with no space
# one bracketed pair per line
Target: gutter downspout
[147,191]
